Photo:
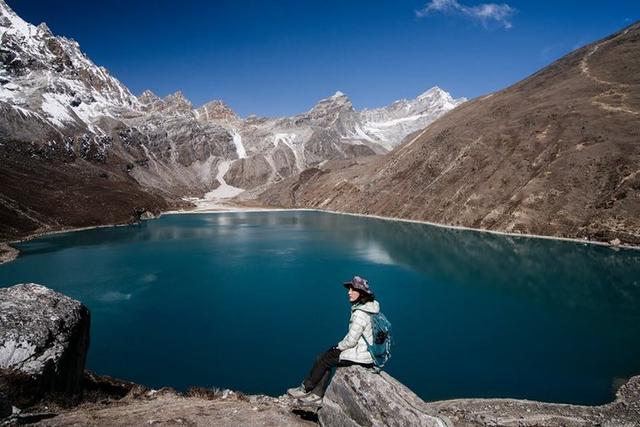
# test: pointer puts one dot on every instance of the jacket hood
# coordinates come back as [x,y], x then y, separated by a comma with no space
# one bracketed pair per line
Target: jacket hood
[370,307]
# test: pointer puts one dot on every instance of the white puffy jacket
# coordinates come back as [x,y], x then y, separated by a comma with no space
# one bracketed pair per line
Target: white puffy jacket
[353,347]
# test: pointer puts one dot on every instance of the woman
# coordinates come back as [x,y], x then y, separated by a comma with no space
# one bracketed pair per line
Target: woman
[351,350]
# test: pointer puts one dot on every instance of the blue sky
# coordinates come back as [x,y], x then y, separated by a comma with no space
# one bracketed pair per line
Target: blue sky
[280,57]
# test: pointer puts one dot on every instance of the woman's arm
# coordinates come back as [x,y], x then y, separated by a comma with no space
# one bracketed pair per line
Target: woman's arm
[355,330]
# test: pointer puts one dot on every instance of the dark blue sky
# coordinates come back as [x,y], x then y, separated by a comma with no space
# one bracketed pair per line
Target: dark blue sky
[279,57]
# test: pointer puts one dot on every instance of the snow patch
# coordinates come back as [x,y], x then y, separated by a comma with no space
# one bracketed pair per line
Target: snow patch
[237,140]
[57,112]
[224,190]
[395,122]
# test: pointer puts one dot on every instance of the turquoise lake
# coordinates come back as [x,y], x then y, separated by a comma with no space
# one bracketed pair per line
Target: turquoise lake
[247,300]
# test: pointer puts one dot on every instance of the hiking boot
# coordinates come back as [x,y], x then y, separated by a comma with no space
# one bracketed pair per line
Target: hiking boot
[298,392]
[311,400]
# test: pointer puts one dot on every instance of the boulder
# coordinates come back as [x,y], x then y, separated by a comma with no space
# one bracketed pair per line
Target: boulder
[44,337]
[147,215]
[358,396]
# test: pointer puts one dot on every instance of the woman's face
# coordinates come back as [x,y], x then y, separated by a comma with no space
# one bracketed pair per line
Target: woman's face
[353,294]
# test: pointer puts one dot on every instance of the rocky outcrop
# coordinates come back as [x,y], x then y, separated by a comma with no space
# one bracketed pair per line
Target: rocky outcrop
[624,411]
[216,111]
[357,396]
[44,337]
[147,215]
[360,397]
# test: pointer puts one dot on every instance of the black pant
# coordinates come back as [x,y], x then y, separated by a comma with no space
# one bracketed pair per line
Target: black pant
[319,373]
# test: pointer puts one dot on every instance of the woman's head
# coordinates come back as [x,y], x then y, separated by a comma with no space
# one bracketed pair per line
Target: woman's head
[359,291]
[359,297]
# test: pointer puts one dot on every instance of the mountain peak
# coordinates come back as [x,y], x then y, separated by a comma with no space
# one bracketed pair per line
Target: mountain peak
[178,102]
[148,97]
[44,28]
[338,98]
[216,110]
[177,95]
[435,91]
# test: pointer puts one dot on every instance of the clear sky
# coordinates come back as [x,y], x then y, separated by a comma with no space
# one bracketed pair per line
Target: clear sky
[280,57]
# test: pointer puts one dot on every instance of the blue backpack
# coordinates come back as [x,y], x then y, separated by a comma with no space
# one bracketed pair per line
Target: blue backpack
[380,348]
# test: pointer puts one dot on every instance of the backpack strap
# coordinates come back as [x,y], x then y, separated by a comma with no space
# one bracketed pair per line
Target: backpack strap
[370,319]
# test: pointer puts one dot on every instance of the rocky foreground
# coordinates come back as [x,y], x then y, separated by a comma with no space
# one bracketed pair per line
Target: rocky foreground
[43,342]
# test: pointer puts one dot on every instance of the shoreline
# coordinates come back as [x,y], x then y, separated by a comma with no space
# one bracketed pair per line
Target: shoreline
[9,243]
[14,252]
[239,209]
[7,253]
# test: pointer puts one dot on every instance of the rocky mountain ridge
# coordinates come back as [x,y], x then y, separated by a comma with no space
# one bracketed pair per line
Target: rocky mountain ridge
[555,154]
[66,120]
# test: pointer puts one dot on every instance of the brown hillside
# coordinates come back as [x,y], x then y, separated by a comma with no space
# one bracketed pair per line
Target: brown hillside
[556,154]
[40,195]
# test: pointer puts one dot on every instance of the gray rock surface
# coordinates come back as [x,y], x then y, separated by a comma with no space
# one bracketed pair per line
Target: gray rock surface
[357,396]
[44,337]
[623,412]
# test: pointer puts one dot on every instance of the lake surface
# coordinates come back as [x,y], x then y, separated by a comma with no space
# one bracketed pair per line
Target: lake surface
[247,300]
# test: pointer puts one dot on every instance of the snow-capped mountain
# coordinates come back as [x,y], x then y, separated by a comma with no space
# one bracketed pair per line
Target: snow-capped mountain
[391,124]
[50,76]
[275,148]
[56,104]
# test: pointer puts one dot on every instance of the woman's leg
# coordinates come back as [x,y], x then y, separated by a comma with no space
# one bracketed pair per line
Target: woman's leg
[323,363]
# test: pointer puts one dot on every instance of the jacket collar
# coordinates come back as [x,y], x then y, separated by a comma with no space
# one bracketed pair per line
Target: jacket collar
[371,307]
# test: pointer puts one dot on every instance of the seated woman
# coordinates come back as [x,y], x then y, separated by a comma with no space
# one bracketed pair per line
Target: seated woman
[351,350]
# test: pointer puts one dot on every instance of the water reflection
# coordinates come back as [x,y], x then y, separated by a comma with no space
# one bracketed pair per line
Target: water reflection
[565,273]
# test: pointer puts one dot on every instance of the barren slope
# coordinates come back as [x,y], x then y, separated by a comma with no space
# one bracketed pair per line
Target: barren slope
[556,154]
